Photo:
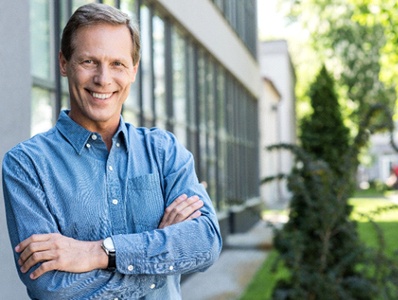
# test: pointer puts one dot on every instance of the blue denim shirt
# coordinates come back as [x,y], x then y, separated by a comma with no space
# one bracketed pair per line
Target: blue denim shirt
[65,181]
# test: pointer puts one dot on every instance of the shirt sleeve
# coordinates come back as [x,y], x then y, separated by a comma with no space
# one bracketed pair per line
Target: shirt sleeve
[185,247]
[27,213]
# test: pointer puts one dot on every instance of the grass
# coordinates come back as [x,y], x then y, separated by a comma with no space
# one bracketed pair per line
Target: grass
[262,284]
[364,203]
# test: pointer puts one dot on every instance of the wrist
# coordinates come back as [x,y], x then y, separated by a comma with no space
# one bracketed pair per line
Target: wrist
[101,258]
[109,249]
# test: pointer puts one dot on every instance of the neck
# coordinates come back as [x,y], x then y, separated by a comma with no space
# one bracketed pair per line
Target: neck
[105,129]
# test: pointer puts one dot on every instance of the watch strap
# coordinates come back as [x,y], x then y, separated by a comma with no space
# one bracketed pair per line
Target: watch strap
[111,261]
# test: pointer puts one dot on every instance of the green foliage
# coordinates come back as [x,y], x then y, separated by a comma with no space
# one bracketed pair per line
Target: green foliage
[319,244]
[356,39]
[385,216]
[323,133]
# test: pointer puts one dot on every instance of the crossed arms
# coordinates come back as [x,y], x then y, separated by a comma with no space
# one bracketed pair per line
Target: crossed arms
[58,252]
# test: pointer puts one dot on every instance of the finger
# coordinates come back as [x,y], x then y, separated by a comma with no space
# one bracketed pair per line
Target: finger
[177,202]
[44,268]
[195,215]
[32,248]
[194,205]
[32,239]
[35,258]
[184,210]
[173,211]
[167,216]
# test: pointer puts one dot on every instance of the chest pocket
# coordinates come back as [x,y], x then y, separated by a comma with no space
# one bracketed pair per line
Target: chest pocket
[145,202]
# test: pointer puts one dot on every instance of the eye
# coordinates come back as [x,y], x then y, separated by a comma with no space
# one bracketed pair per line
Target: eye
[117,64]
[88,61]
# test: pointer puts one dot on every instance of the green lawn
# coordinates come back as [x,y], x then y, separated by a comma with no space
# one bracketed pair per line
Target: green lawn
[262,284]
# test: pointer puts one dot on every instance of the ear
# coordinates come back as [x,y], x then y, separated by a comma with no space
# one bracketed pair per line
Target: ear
[134,72]
[62,64]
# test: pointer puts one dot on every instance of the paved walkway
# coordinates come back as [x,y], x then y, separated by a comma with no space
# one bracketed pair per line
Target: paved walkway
[227,279]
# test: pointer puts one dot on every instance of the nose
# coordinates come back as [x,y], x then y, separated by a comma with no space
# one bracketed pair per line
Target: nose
[103,76]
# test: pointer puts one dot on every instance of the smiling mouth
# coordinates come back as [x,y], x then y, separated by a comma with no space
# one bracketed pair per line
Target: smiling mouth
[101,96]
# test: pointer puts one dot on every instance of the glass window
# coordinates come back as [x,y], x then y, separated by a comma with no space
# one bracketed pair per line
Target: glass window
[41,110]
[192,103]
[210,128]
[130,8]
[179,86]
[202,115]
[78,3]
[159,71]
[40,39]
[109,2]
[221,139]
[146,67]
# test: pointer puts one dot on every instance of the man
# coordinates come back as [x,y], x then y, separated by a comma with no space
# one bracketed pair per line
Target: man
[96,208]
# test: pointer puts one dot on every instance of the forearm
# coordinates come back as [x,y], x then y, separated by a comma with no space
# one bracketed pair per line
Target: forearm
[178,249]
[57,252]
[99,284]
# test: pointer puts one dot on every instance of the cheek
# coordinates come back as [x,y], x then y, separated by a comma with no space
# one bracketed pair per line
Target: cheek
[125,81]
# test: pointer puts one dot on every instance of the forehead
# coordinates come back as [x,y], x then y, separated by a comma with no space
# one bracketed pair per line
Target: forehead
[105,39]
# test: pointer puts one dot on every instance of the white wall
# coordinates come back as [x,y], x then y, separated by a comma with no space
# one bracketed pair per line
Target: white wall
[15,86]
[276,65]
[269,129]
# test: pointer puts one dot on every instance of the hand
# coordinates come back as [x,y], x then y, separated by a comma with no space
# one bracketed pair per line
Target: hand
[58,252]
[182,209]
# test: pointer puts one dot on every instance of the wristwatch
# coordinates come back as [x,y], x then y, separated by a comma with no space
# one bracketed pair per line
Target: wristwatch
[110,250]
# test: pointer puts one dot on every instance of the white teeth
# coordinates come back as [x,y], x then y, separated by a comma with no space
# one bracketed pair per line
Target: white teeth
[100,96]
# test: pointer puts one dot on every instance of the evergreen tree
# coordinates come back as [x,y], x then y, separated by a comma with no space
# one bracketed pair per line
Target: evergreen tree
[319,244]
[323,133]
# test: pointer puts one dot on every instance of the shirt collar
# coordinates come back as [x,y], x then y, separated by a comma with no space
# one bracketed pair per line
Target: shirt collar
[78,136]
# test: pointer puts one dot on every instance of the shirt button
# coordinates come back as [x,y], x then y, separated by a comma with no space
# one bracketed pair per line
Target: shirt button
[94,137]
[171,268]
[152,286]
[114,201]
[118,145]
[110,168]
[115,298]
[130,268]
[88,145]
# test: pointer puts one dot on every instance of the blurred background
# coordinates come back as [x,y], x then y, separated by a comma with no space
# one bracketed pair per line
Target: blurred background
[230,78]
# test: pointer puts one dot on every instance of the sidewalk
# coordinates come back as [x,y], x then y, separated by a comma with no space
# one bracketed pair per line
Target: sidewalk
[227,279]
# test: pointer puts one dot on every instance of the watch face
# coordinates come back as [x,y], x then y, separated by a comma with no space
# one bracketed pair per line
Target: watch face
[108,244]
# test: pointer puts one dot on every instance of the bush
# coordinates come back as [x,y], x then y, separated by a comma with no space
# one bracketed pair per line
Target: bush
[320,244]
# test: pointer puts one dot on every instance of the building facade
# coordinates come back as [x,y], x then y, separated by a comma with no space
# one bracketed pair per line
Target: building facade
[277,119]
[199,78]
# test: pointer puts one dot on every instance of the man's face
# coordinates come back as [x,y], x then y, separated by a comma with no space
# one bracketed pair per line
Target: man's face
[99,72]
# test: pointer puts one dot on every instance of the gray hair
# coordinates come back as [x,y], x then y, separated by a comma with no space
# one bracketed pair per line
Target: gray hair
[96,13]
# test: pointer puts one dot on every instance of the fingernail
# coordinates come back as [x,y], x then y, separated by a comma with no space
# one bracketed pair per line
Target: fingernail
[17,248]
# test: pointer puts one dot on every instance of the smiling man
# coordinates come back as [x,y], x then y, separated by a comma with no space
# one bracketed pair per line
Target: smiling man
[97,208]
